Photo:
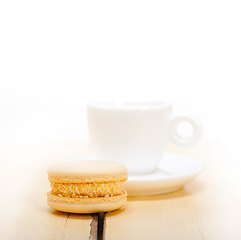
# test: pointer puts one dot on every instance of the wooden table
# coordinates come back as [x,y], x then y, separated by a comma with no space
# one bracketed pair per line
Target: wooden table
[207,208]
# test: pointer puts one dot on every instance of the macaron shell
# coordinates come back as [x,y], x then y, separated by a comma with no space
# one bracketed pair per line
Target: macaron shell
[87,171]
[86,205]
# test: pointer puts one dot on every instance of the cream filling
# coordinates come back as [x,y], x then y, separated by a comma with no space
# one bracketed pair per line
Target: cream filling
[88,190]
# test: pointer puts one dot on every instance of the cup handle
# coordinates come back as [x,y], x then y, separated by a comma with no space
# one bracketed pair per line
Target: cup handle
[176,139]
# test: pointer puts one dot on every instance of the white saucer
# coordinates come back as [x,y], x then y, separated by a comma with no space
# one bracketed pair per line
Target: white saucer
[173,173]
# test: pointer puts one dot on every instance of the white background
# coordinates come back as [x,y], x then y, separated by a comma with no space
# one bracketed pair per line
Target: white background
[57,55]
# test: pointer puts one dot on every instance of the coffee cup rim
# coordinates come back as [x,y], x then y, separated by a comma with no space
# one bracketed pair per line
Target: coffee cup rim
[129,104]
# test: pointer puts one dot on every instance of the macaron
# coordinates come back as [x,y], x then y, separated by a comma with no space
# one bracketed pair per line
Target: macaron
[87,186]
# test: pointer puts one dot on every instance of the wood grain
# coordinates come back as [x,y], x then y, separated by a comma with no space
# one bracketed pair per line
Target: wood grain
[207,208]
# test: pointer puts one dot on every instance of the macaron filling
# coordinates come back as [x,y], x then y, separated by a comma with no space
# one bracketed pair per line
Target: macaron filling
[88,190]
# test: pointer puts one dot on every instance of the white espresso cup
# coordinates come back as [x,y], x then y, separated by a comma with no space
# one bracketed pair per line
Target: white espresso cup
[136,134]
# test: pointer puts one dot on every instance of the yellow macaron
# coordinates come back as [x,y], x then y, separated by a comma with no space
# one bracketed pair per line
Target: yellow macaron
[87,186]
